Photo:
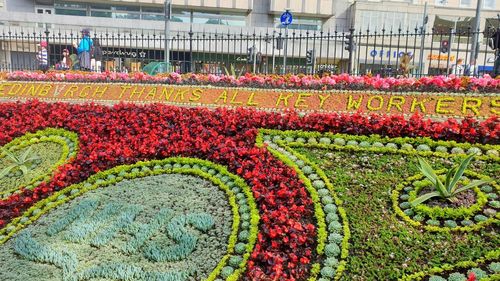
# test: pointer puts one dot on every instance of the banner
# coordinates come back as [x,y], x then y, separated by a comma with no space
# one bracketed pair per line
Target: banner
[431,104]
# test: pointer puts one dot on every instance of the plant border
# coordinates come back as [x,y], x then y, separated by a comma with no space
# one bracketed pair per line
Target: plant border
[67,139]
[395,203]
[215,173]
[282,143]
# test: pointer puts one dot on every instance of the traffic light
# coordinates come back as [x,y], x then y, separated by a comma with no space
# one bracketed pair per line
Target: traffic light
[250,54]
[279,43]
[348,43]
[310,57]
[445,46]
[494,40]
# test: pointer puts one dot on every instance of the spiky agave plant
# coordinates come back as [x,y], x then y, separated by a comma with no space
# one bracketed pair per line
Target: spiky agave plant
[21,162]
[449,189]
[232,72]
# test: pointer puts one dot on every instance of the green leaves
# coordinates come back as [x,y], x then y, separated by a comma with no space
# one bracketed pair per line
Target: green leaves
[427,170]
[450,188]
[21,162]
[233,72]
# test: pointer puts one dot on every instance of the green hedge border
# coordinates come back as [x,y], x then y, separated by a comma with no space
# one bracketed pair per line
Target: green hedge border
[491,256]
[458,213]
[217,174]
[282,144]
[67,139]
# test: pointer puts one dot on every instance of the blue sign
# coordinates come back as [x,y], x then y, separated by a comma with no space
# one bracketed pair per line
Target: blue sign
[286,18]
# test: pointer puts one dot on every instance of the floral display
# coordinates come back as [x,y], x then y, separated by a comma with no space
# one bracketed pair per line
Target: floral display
[304,227]
[338,227]
[485,84]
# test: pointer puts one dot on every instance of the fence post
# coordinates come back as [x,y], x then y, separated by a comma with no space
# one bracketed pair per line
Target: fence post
[351,49]
[47,32]
[191,49]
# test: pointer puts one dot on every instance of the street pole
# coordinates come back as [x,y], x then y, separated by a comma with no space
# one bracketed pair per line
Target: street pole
[254,58]
[422,42]
[475,37]
[451,39]
[168,14]
[285,47]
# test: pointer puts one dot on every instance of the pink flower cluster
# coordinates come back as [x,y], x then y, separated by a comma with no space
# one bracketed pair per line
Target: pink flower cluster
[485,84]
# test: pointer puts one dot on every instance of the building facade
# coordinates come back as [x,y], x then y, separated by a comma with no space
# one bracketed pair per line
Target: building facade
[209,34]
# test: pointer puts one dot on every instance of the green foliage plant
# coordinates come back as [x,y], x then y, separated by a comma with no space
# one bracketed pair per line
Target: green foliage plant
[449,189]
[232,71]
[21,162]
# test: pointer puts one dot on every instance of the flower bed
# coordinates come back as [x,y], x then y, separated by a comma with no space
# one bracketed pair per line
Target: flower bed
[304,228]
[485,84]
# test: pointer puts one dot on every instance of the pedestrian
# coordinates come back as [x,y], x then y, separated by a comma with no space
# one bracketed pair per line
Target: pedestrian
[458,68]
[66,62]
[83,49]
[96,53]
[471,70]
[43,57]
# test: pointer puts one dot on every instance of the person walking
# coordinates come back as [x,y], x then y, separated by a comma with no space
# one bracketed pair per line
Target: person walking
[96,56]
[66,62]
[83,50]
[458,68]
[43,56]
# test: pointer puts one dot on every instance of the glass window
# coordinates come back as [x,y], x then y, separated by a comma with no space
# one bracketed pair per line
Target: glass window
[70,8]
[489,4]
[152,10]
[441,2]
[375,21]
[115,7]
[465,3]
[71,12]
[153,17]
[62,4]
[218,18]
[102,14]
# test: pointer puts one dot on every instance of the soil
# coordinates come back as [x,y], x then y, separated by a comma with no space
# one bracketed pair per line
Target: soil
[464,199]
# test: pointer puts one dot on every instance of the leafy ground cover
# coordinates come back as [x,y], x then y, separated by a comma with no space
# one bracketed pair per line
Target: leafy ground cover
[304,231]
[382,246]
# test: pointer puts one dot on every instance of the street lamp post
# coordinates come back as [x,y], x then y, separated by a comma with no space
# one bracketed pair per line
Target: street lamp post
[475,34]
[422,42]
[168,15]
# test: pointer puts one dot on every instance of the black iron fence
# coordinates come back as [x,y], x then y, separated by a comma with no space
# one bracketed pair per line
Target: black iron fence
[384,52]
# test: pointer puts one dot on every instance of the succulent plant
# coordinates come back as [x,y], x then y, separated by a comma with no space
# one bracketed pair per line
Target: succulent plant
[332,250]
[456,276]
[441,148]
[328,272]
[492,152]
[423,147]
[457,150]
[325,140]
[352,142]
[480,218]
[407,146]
[364,144]
[339,141]
[479,273]
[474,150]
[494,267]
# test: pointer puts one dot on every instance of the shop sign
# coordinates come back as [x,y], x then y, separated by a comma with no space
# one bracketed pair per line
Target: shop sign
[388,53]
[440,57]
[124,53]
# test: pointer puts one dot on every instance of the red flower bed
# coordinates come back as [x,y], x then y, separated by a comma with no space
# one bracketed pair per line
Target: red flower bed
[125,134]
